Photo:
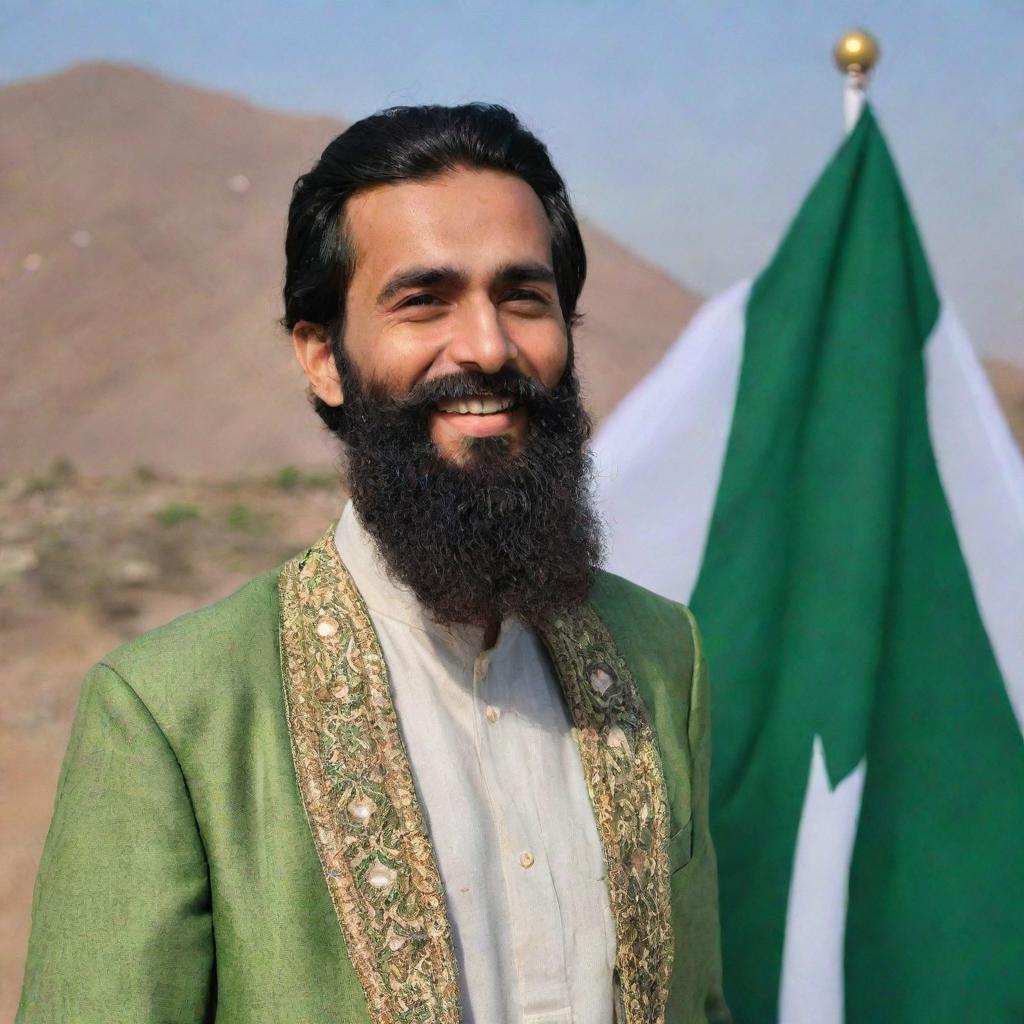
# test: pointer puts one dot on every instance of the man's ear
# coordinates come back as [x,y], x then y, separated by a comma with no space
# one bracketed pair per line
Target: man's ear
[313,350]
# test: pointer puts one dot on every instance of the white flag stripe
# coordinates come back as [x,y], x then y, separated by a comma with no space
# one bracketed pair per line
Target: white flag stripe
[982,474]
[660,458]
[812,988]
[660,454]
[675,426]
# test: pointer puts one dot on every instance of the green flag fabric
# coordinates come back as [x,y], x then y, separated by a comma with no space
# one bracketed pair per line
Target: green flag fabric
[851,652]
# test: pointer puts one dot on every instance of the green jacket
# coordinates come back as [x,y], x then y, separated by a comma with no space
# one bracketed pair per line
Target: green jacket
[237,838]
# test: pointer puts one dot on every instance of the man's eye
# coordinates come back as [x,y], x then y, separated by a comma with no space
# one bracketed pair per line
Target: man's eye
[418,300]
[525,295]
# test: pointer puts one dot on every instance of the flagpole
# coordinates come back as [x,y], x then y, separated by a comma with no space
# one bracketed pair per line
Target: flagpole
[856,53]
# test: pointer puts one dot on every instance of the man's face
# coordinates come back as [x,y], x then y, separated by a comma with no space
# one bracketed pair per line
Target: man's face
[452,275]
[464,434]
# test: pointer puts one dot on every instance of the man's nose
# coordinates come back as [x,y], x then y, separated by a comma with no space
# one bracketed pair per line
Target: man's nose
[482,342]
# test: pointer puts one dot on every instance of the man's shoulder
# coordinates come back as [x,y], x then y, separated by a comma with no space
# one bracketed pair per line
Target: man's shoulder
[208,632]
[645,625]
[621,597]
[221,650]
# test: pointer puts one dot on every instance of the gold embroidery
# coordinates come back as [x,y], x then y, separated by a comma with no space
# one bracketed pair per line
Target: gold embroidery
[364,814]
[357,788]
[627,788]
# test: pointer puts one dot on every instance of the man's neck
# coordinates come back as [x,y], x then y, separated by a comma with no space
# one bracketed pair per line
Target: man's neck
[361,553]
[491,630]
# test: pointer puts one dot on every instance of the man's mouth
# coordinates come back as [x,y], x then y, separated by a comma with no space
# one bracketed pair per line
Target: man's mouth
[479,405]
[456,420]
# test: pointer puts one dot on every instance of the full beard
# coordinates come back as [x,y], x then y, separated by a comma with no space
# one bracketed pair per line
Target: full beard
[504,533]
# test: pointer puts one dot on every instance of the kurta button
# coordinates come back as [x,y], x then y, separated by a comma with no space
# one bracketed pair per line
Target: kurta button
[492,714]
[526,859]
[326,627]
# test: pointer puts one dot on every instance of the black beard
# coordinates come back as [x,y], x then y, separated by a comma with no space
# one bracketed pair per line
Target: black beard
[502,534]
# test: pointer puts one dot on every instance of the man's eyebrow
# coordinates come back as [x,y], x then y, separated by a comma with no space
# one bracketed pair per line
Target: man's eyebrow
[435,277]
[419,277]
[518,273]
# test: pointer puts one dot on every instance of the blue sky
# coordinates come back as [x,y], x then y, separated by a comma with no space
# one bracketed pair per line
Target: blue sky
[691,131]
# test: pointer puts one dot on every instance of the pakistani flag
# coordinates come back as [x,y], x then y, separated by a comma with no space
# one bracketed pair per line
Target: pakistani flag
[819,468]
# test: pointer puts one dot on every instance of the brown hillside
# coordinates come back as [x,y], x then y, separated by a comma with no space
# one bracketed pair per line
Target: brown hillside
[1008,383]
[152,340]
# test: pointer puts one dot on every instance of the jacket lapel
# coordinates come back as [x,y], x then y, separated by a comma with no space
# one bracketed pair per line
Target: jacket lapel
[627,789]
[356,783]
[357,787]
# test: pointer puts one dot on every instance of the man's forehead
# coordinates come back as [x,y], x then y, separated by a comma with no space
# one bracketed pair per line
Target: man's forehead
[467,217]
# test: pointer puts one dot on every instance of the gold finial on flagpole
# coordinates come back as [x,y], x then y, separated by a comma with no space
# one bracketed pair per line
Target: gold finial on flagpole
[856,53]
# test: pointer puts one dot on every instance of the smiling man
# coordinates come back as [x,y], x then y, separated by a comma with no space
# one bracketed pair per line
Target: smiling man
[438,767]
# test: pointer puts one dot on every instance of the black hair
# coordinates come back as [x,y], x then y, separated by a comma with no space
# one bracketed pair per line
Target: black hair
[408,144]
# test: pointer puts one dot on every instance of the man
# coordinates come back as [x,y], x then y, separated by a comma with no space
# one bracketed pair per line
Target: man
[437,767]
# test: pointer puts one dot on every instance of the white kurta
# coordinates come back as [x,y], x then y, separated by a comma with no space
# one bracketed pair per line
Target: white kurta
[502,787]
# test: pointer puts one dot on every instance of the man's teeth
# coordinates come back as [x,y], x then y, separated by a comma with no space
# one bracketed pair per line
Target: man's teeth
[482,406]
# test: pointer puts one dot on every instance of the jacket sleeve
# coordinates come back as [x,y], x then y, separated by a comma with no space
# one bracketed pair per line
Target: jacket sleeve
[697,894]
[121,922]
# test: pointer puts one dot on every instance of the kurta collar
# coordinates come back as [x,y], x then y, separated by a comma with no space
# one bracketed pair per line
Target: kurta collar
[385,596]
[369,828]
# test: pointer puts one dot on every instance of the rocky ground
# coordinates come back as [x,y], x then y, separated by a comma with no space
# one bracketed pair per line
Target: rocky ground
[86,564]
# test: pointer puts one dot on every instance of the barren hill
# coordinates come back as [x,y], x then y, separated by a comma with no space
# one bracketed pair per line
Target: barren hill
[1008,383]
[140,268]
